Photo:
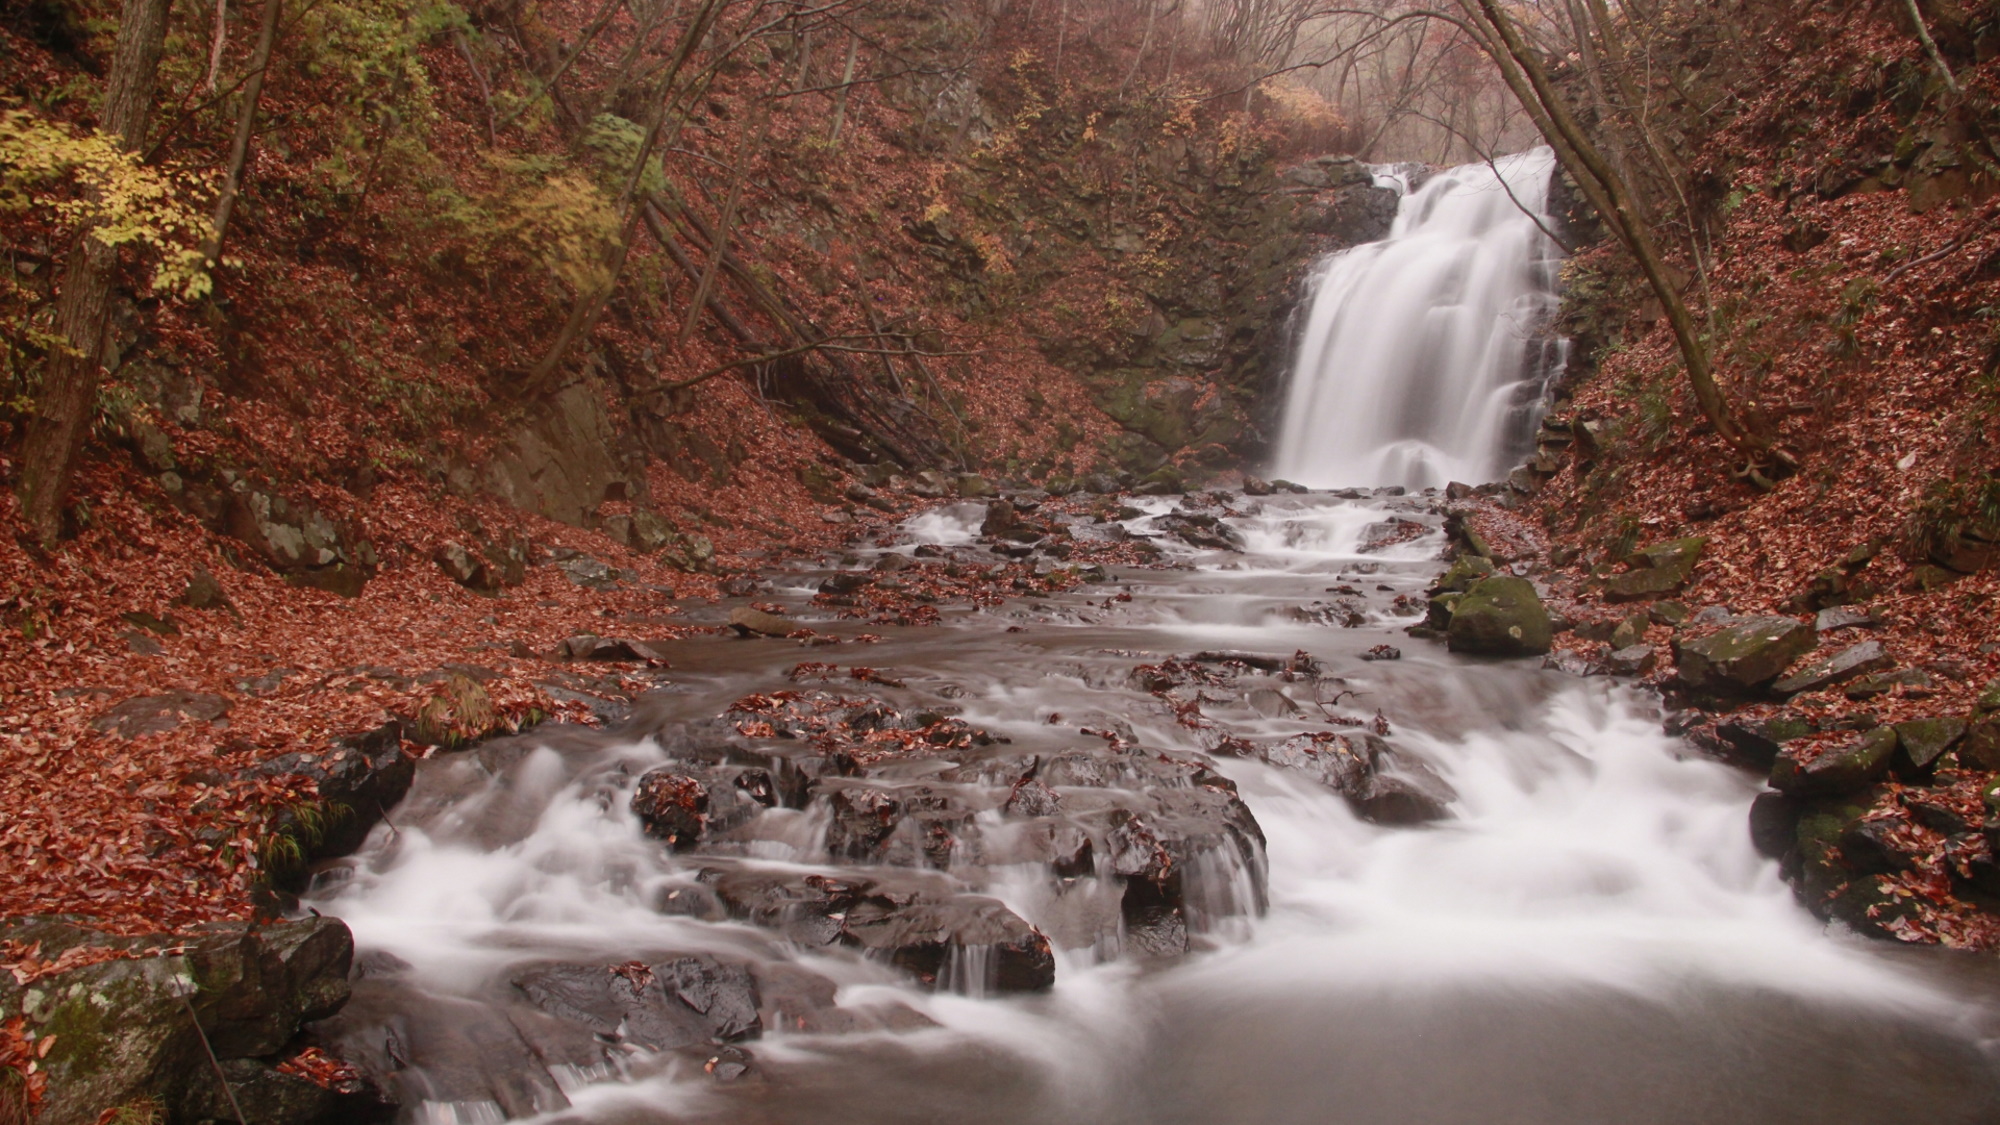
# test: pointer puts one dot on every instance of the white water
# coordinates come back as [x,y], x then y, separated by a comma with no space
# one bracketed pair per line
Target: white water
[1420,363]
[1592,938]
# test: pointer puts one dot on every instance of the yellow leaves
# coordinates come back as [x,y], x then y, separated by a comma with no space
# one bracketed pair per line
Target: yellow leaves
[85,181]
[1300,104]
[562,220]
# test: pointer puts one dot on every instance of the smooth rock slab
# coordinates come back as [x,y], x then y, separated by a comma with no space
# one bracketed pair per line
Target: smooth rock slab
[1836,769]
[1923,740]
[1742,656]
[1660,569]
[1847,664]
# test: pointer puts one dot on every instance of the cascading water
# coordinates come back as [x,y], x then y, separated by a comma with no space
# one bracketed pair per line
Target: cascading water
[1424,355]
[1588,938]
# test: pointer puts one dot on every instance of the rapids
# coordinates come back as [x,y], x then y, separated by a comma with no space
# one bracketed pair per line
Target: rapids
[1589,938]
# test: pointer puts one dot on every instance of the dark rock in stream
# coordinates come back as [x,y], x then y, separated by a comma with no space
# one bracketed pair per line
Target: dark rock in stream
[124,1029]
[917,923]
[659,1006]
[1500,616]
[1381,784]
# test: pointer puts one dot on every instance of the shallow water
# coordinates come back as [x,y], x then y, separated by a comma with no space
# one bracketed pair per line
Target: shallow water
[1591,937]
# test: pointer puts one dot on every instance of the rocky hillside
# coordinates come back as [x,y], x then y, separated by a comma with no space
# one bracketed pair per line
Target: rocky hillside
[1834,625]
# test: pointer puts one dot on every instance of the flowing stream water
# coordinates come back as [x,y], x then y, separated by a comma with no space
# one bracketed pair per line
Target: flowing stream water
[1588,936]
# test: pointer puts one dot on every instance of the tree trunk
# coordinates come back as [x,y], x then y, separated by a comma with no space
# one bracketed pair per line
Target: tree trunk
[725,226]
[1522,70]
[68,396]
[846,80]
[246,123]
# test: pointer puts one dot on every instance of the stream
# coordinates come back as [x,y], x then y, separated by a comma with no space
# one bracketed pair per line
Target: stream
[1207,842]
[1589,937]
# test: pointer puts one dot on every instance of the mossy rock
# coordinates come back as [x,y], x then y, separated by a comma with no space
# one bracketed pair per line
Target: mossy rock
[1742,658]
[1660,569]
[1463,573]
[1837,769]
[1501,616]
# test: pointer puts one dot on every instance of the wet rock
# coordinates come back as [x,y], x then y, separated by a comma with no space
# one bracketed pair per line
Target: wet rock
[359,778]
[1924,740]
[267,1095]
[1836,769]
[1272,703]
[846,582]
[1380,783]
[972,486]
[863,820]
[1756,741]
[743,585]
[1632,660]
[749,622]
[120,1030]
[1500,616]
[1774,823]
[1201,530]
[1256,486]
[1572,662]
[156,714]
[1847,664]
[673,1003]
[967,944]
[672,806]
[1388,533]
[1741,657]
[945,939]
[1463,573]
[590,646]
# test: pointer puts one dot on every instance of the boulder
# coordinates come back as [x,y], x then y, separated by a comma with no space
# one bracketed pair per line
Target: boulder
[1924,740]
[914,922]
[750,622]
[1632,660]
[1741,657]
[972,486]
[1381,784]
[682,1002]
[671,806]
[1980,748]
[119,1031]
[1463,573]
[1500,616]
[1756,741]
[155,714]
[1774,823]
[590,573]
[359,778]
[1658,570]
[562,463]
[1836,769]
[1830,671]
[1835,618]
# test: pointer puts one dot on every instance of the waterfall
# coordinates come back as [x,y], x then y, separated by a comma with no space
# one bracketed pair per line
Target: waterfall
[1425,355]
